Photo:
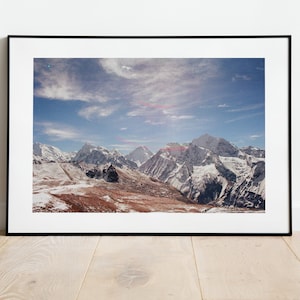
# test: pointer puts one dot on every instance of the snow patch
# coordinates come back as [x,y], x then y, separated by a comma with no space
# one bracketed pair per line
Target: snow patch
[107,198]
[42,200]
[236,165]
[204,171]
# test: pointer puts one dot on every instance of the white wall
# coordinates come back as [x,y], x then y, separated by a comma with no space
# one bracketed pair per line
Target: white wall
[152,17]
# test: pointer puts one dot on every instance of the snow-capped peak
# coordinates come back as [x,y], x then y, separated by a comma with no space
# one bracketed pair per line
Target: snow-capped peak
[217,145]
[139,155]
[99,155]
[48,153]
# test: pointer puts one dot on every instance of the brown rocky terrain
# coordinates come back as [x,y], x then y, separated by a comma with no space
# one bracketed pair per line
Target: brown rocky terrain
[63,187]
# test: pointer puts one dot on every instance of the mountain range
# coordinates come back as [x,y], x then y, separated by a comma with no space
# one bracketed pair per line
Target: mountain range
[209,170]
[98,155]
[48,153]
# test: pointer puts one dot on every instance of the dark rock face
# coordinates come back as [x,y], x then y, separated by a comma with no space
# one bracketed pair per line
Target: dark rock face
[36,162]
[110,174]
[211,192]
[94,173]
[245,199]
[226,173]
[251,200]
[259,172]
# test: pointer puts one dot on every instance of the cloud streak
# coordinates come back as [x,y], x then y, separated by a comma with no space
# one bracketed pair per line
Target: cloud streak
[255,136]
[97,111]
[244,117]
[61,79]
[223,105]
[155,86]
[246,108]
[64,132]
[57,131]
[237,77]
[147,86]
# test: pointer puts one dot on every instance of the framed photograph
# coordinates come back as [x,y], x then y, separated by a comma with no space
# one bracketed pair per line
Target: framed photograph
[160,135]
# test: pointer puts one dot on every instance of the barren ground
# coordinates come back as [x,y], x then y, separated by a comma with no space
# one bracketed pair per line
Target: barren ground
[62,187]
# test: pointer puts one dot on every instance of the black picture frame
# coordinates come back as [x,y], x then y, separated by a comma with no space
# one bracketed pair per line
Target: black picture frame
[275,219]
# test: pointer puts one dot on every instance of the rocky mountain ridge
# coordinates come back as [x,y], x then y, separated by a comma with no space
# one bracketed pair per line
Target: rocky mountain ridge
[209,170]
[99,156]
[48,153]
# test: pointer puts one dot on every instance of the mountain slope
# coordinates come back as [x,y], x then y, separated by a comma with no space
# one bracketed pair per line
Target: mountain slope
[48,153]
[211,170]
[99,156]
[254,151]
[217,145]
[208,171]
[64,187]
[139,155]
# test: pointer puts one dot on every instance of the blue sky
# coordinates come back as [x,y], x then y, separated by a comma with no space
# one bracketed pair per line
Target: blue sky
[122,103]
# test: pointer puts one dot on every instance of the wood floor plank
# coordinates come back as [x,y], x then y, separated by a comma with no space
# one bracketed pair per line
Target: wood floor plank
[3,240]
[44,267]
[246,268]
[294,243]
[144,268]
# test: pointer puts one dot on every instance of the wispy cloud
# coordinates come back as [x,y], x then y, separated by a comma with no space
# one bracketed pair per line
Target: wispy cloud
[244,117]
[58,131]
[147,85]
[260,68]
[129,143]
[224,105]
[240,77]
[122,147]
[97,111]
[155,86]
[63,132]
[61,79]
[255,136]
[247,108]
[182,117]
[129,68]
[154,122]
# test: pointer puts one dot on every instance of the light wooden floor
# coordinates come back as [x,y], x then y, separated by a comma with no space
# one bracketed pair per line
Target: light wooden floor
[92,267]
